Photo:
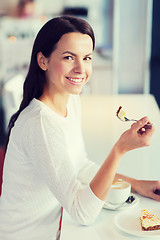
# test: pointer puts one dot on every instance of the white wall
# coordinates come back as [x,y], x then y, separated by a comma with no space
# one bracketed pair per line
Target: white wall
[132,37]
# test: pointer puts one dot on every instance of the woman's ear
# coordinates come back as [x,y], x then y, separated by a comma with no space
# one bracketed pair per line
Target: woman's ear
[42,61]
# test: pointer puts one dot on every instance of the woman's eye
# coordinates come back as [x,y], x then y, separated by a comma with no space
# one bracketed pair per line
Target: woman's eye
[68,57]
[88,58]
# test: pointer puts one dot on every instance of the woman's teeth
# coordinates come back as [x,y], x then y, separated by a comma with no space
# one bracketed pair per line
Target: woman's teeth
[77,80]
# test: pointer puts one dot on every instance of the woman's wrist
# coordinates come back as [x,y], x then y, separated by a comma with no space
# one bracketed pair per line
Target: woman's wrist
[134,182]
[119,149]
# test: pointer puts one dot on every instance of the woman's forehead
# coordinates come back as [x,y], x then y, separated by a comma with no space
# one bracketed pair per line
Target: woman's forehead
[75,42]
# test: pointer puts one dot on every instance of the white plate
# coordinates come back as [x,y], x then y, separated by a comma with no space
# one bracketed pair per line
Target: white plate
[129,222]
[110,206]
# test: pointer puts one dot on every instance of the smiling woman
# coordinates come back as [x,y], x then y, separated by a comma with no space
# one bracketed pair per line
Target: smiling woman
[67,69]
[45,163]
[45,148]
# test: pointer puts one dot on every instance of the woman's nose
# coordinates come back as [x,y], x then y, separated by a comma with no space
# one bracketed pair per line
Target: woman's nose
[79,67]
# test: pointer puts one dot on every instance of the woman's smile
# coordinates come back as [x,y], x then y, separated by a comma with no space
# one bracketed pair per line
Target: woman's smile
[75,81]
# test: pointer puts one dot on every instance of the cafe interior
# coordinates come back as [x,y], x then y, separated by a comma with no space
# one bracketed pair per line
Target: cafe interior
[126,62]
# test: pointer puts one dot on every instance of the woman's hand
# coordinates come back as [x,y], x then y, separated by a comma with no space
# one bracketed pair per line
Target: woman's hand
[149,189]
[135,137]
[145,188]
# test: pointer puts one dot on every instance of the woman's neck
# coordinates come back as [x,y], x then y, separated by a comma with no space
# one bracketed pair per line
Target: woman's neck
[57,102]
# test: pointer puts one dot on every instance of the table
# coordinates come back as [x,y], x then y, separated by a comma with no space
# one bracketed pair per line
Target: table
[101,129]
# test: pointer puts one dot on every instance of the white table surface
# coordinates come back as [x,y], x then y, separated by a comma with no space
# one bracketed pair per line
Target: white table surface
[101,129]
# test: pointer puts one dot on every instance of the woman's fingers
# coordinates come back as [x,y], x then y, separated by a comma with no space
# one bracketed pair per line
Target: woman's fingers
[137,136]
[142,125]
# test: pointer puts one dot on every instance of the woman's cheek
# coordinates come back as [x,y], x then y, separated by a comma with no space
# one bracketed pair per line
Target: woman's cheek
[61,68]
[89,71]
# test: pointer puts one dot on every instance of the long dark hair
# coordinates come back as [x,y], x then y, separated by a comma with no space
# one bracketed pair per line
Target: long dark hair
[45,42]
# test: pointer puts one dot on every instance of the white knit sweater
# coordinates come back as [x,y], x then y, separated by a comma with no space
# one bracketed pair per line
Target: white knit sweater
[44,167]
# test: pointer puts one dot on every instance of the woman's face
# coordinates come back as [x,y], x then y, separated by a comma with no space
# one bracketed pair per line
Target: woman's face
[70,64]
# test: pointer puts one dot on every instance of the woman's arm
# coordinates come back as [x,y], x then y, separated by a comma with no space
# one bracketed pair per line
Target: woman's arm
[129,140]
[145,188]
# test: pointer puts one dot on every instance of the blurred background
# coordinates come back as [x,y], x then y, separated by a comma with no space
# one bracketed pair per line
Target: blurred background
[126,58]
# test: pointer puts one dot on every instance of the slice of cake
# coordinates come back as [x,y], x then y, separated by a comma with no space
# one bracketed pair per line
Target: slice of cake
[149,221]
[121,114]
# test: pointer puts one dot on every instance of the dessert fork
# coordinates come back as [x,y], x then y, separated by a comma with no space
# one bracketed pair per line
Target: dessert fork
[134,120]
[127,119]
[122,116]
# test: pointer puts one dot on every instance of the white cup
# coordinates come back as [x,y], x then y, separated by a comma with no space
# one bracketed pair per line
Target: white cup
[119,192]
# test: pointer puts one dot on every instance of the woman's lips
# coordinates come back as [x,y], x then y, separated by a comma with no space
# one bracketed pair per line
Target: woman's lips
[75,81]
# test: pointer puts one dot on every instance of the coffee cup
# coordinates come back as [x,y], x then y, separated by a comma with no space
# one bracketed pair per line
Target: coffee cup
[119,192]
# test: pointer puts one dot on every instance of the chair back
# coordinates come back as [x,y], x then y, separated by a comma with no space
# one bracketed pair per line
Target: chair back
[12,96]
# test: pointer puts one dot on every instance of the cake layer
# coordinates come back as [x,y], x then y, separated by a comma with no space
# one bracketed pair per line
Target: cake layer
[149,221]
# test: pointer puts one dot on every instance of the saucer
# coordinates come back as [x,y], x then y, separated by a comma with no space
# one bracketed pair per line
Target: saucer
[123,206]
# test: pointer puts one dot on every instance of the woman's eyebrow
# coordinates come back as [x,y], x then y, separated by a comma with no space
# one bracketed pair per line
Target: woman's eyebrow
[73,54]
[69,53]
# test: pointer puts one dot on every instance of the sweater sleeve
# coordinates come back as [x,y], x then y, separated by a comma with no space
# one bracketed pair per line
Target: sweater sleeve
[49,155]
